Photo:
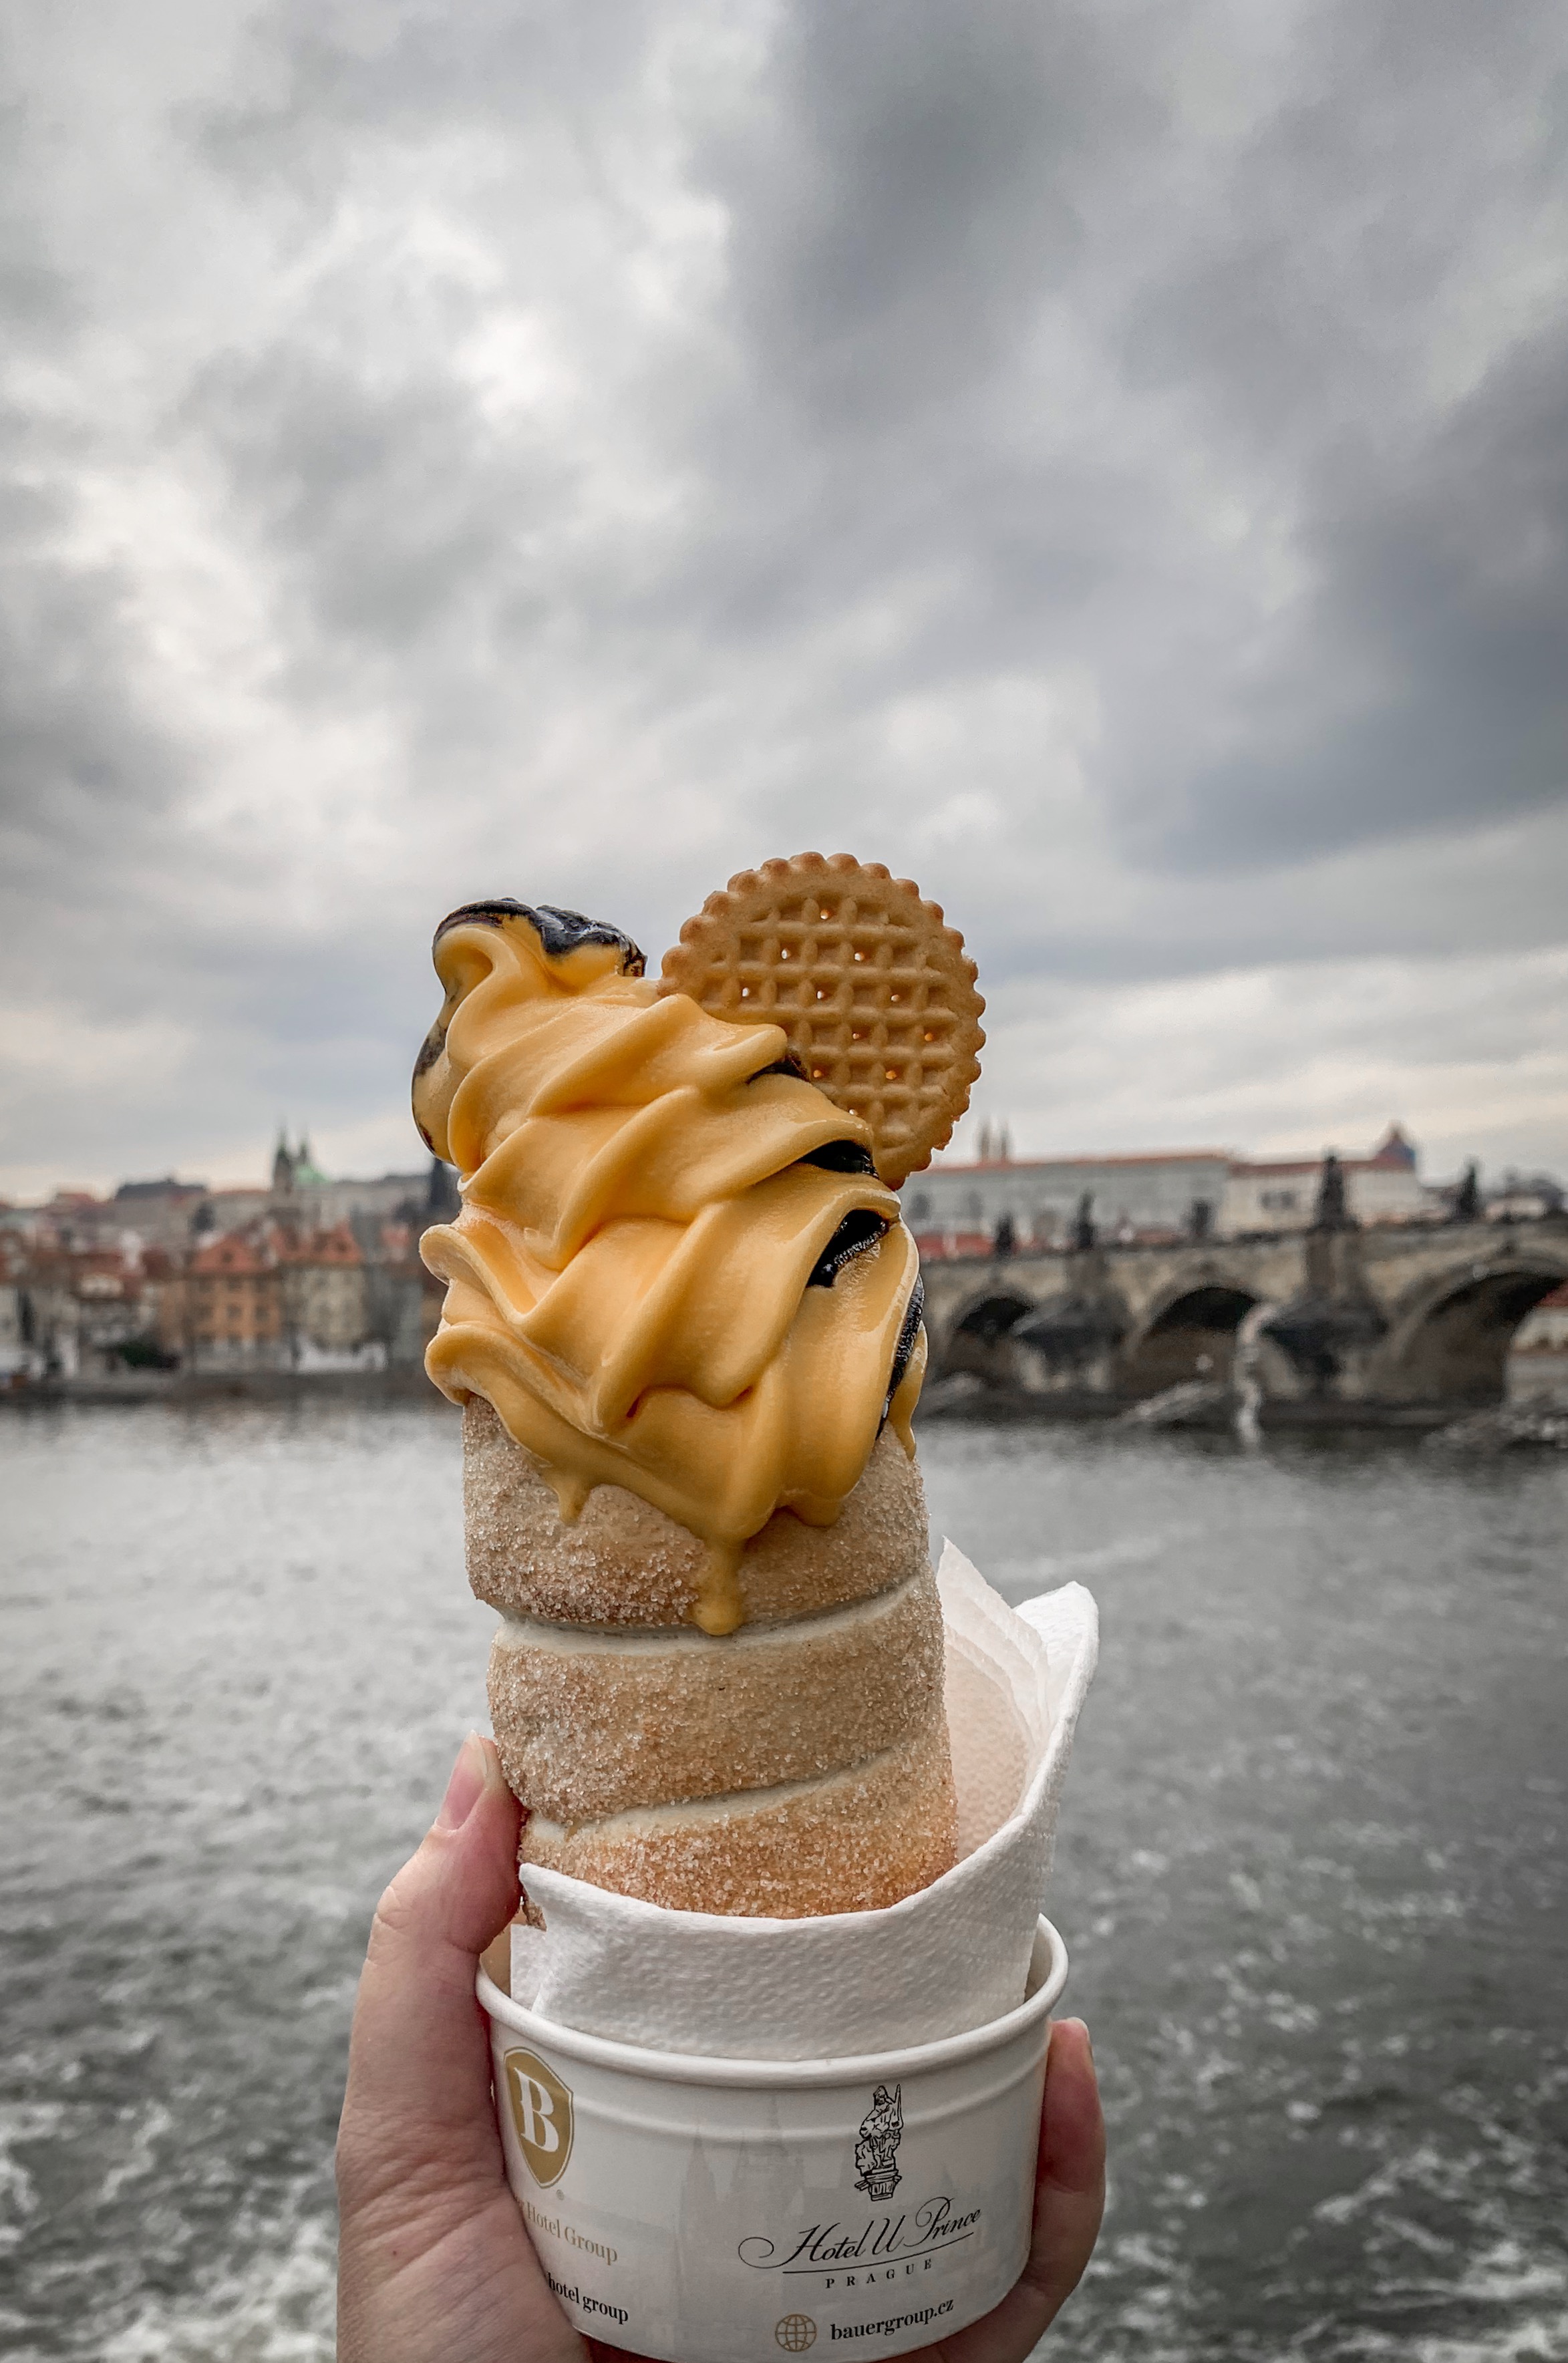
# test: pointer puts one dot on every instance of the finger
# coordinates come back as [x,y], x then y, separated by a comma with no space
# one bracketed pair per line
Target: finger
[418,2089]
[1070,2193]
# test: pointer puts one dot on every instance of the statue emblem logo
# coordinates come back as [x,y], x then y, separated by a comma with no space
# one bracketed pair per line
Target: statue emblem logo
[876,2151]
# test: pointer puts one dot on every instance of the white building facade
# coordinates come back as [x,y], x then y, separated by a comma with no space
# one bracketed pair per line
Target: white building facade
[1040,1197]
[1280,1193]
[1164,1193]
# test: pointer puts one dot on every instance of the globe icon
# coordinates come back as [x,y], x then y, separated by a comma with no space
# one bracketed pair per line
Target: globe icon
[794,2333]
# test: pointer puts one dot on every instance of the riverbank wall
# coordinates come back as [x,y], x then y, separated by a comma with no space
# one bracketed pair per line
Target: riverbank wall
[405,1382]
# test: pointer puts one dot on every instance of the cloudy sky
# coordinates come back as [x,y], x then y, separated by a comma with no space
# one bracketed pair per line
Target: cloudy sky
[1108,462]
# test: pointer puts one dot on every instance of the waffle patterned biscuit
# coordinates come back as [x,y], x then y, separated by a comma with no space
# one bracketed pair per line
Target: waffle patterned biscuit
[874,990]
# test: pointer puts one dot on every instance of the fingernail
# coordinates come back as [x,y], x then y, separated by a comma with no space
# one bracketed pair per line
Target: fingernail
[466,1786]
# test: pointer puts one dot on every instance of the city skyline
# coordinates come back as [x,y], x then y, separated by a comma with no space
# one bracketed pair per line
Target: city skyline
[981,1145]
[967,1147]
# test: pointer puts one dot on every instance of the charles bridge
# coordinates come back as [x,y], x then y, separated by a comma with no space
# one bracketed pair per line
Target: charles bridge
[1410,1320]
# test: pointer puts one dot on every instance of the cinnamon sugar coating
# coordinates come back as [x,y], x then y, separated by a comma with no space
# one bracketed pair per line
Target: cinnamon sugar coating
[623,1562]
[854,1841]
[590,1723]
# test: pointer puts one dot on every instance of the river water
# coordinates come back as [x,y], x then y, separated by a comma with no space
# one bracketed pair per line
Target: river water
[1311,1870]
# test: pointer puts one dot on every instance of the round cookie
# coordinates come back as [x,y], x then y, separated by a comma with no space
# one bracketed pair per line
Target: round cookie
[872,989]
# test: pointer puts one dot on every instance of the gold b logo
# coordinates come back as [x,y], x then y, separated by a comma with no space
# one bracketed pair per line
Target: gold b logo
[542,2112]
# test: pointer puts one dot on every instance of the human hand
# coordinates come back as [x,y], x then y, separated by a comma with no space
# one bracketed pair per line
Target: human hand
[435,2265]
[1069,2201]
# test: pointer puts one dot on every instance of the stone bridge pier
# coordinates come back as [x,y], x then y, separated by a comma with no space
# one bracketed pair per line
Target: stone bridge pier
[1414,1319]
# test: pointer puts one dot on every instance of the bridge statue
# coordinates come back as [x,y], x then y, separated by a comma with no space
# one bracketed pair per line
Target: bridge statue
[1332,1211]
[1467,1206]
[1085,1235]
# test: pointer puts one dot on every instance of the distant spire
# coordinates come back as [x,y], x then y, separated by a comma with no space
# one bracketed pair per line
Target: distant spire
[442,1203]
[306,1170]
[1395,1147]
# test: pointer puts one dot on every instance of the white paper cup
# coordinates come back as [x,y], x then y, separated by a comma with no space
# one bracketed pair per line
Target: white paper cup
[716,2211]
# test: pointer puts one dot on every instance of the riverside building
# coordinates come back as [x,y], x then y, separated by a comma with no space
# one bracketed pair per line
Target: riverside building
[1158,1196]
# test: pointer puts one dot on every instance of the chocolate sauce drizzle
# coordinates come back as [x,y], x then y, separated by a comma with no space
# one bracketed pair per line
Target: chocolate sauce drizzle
[559,931]
[914,1312]
[839,1155]
[859,1229]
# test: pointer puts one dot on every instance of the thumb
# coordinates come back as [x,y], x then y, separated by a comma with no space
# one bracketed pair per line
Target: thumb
[418,2089]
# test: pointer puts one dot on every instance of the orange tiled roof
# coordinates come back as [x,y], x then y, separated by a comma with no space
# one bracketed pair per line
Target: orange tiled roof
[231,1254]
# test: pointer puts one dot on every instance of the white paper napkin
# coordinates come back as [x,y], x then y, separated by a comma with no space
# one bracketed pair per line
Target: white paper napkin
[951,1957]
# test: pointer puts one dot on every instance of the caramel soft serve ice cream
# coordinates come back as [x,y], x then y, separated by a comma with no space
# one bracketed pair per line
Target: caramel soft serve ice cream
[684,1318]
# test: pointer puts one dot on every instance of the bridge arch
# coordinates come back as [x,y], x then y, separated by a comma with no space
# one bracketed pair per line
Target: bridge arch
[975,1337]
[1188,1332]
[1450,1337]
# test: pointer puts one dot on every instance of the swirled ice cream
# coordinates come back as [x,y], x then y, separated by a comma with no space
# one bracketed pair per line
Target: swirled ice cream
[675,1268]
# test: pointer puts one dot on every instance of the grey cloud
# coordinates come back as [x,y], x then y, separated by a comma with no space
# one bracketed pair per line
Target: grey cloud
[78,754]
[373,487]
[322,74]
[1425,682]
[84,767]
[902,200]
[1309,270]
